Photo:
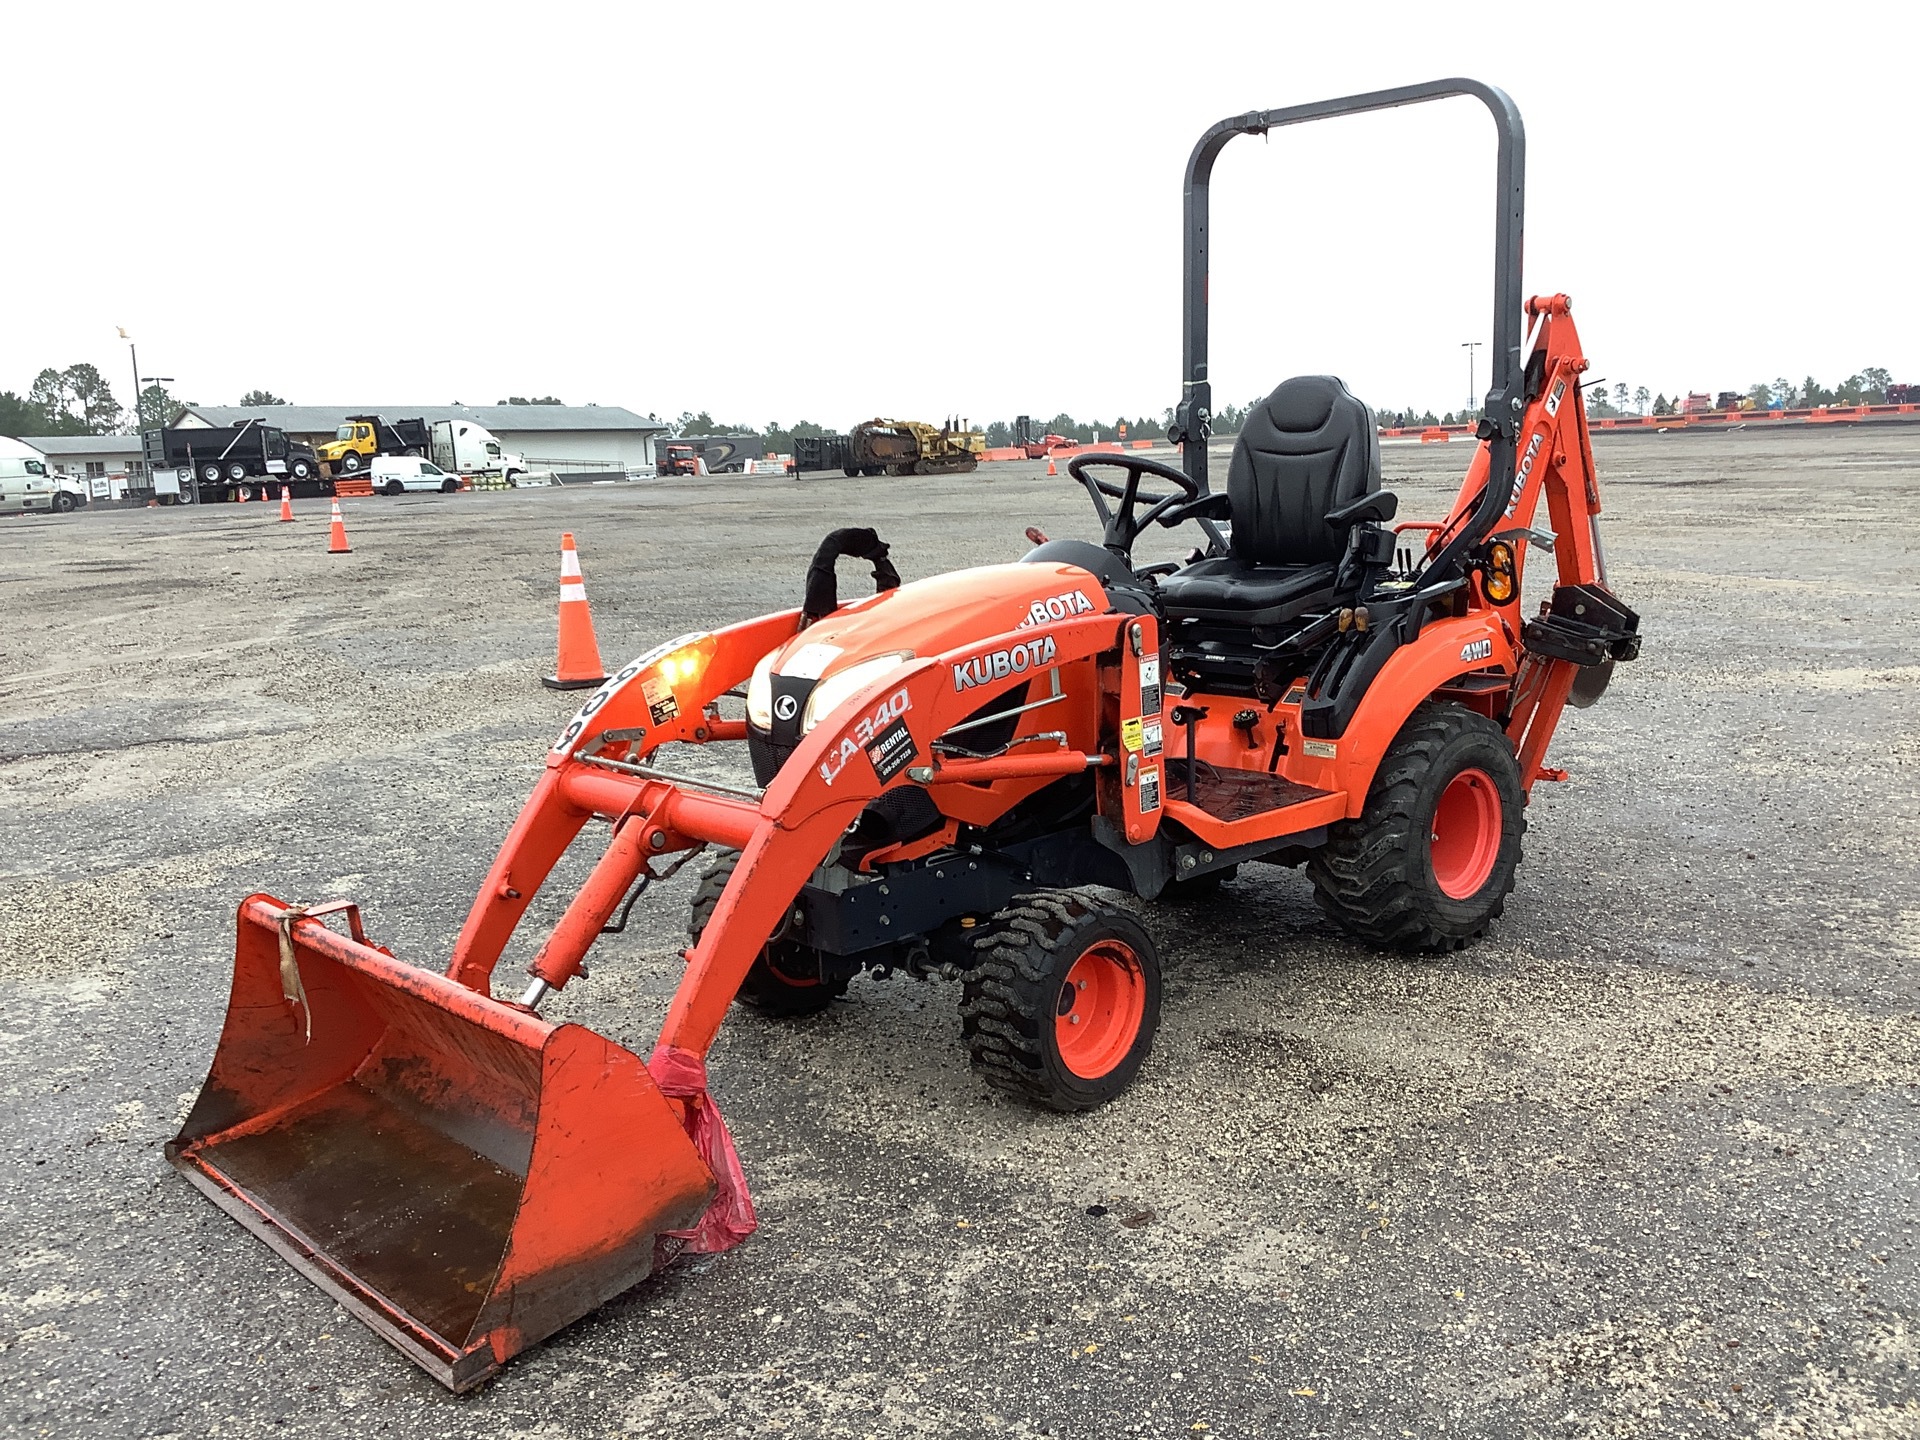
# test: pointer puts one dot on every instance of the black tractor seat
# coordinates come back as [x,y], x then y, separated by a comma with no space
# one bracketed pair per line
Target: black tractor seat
[1304,489]
[1224,588]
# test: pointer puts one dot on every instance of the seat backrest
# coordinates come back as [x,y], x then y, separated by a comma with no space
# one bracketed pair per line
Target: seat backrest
[1308,448]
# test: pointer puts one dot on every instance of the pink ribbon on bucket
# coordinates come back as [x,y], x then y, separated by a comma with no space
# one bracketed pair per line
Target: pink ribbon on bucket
[729,1219]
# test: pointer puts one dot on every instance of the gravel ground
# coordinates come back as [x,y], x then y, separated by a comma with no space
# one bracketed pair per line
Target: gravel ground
[1643,1163]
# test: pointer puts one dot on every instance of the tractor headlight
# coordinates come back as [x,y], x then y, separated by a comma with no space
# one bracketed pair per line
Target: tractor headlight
[760,693]
[840,686]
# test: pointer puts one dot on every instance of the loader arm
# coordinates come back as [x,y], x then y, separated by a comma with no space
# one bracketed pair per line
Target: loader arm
[880,738]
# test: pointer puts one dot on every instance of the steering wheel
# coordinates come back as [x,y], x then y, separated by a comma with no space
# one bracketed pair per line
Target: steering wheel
[1120,527]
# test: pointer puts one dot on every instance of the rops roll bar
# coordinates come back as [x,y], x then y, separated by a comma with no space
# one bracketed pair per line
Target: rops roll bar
[1193,416]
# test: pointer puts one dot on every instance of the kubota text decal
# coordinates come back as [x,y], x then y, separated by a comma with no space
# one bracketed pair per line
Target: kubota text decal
[1056,607]
[998,664]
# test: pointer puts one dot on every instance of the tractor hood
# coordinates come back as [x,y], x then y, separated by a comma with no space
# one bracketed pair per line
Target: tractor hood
[942,613]
[826,664]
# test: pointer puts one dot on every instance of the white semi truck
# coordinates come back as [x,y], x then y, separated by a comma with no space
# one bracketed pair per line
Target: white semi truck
[465,447]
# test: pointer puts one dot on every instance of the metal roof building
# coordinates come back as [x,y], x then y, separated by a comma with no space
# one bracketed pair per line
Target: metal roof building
[546,435]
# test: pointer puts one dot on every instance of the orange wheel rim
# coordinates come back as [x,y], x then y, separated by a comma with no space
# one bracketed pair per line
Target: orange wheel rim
[1102,1002]
[1465,840]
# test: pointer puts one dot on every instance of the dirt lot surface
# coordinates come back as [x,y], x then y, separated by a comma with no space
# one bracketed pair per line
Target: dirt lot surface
[1644,1163]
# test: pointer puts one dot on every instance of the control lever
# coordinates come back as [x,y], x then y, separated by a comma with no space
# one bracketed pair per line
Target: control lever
[1190,717]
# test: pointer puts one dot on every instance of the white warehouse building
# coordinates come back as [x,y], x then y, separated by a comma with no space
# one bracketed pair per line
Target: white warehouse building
[560,437]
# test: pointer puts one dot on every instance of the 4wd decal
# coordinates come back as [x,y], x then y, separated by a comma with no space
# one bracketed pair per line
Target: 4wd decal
[1476,650]
[1056,607]
[873,732]
[999,664]
[612,686]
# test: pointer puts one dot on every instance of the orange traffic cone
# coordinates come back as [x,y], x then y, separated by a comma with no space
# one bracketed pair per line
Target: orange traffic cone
[286,504]
[579,666]
[337,534]
[1051,468]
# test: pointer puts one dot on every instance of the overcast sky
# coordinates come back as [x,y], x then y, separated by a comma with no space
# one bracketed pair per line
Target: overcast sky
[831,211]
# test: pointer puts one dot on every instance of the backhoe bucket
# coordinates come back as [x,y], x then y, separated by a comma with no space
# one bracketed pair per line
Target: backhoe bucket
[462,1175]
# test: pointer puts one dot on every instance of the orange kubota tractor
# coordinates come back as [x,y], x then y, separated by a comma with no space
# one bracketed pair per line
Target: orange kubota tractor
[950,773]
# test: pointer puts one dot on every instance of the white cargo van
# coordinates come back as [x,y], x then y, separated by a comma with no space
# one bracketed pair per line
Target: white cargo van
[397,473]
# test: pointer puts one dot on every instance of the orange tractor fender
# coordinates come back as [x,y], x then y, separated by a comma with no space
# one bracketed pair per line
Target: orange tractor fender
[1445,650]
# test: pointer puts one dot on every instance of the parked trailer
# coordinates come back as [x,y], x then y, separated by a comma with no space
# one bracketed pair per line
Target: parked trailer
[226,462]
[713,454]
[822,452]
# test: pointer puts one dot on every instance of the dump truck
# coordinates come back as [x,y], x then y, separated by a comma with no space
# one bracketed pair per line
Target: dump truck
[706,454]
[362,437]
[232,462]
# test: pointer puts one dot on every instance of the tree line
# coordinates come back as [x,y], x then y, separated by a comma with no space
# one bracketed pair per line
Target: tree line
[1227,420]
[79,400]
[1865,387]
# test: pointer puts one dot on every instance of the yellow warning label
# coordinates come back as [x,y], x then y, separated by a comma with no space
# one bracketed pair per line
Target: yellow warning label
[1132,734]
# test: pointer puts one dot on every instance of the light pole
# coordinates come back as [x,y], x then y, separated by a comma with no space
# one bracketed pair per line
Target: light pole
[133,355]
[1470,346]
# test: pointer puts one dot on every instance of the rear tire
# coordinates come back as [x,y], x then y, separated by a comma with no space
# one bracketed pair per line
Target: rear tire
[1430,862]
[1063,1001]
[785,980]
[394,487]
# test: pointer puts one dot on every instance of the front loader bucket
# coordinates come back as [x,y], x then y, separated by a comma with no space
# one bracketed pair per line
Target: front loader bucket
[462,1175]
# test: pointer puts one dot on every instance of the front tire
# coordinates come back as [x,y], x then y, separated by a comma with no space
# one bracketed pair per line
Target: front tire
[63,503]
[448,486]
[350,462]
[300,470]
[1431,860]
[1063,1001]
[787,979]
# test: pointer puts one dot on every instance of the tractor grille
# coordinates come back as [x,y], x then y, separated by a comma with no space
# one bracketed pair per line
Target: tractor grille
[767,757]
